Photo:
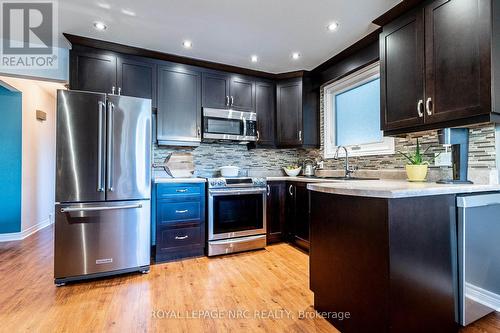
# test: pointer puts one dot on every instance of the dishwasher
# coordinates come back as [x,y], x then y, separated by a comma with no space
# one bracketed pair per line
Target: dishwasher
[478,256]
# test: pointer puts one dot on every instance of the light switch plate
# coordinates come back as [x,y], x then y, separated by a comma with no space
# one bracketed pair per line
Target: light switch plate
[40,115]
[444,159]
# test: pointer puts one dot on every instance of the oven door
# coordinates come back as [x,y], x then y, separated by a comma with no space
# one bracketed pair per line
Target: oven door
[236,213]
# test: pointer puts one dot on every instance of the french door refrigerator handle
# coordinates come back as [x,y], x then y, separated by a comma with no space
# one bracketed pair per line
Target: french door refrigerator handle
[111,107]
[92,209]
[100,143]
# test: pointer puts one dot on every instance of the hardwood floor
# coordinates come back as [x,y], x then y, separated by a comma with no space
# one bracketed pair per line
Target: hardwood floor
[271,281]
[268,287]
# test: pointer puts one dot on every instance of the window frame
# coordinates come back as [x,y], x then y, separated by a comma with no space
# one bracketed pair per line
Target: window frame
[356,79]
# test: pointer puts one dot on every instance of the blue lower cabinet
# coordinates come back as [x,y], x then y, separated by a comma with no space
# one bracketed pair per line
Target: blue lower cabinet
[179,221]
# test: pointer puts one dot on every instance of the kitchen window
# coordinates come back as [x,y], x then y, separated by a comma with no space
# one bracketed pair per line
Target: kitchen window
[352,115]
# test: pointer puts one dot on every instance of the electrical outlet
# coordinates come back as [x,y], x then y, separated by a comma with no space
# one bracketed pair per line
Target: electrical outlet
[444,159]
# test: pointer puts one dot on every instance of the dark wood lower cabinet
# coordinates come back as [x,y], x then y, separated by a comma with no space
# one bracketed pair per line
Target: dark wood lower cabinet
[390,263]
[297,214]
[288,213]
[275,212]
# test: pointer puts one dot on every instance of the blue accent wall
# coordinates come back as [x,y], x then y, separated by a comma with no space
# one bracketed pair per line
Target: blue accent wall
[10,160]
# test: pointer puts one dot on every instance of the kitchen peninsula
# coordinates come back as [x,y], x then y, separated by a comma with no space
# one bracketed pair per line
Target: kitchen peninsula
[386,252]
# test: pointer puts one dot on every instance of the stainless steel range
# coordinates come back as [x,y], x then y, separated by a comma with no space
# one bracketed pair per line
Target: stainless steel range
[236,214]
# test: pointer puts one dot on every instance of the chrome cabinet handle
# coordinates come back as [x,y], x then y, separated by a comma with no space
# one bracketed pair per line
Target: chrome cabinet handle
[227,100]
[290,188]
[111,107]
[181,211]
[181,237]
[113,88]
[244,126]
[258,136]
[100,137]
[182,191]
[428,106]
[420,103]
[198,131]
[268,190]
[119,90]
[300,135]
[232,100]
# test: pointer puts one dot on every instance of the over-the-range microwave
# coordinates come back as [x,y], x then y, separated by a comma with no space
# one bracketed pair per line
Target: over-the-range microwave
[229,125]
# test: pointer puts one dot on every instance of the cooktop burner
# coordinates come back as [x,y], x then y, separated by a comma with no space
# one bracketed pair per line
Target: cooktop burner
[222,182]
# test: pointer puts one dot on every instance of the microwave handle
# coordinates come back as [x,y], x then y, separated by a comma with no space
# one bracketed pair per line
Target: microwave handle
[244,127]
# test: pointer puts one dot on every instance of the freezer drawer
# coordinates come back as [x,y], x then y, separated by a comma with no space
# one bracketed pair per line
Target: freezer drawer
[93,238]
[478,253]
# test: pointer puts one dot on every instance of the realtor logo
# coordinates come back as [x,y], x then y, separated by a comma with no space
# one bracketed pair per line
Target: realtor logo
[29,34]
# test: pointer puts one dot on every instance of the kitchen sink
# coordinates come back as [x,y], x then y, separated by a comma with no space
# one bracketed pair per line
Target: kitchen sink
[341,178]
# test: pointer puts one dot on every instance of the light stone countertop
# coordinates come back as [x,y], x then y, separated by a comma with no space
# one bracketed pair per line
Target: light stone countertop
[158,180]
[396,188]
[300,179]
[163,177]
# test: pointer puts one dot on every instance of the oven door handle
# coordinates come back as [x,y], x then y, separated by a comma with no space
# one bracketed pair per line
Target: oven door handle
[237,240]
[236,191]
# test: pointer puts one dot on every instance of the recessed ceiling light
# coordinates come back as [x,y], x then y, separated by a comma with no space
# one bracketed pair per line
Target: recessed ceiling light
[128,12]
[100,26]
[333,26]
[295,55]
[104,5]
[187,44]
[254,58]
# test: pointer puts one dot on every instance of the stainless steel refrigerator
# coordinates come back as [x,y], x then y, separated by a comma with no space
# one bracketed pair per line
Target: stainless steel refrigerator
[103,185]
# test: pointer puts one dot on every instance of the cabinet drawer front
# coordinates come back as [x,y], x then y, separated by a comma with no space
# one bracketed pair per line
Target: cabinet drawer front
[168,191]
[169,212]
[173,238]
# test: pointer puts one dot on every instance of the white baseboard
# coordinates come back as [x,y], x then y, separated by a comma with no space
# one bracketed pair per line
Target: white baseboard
[483,296]
[15,236]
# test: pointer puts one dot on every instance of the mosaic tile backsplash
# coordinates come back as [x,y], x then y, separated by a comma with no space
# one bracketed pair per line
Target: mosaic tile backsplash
[208,157]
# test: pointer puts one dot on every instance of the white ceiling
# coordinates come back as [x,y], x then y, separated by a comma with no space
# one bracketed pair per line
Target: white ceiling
[230,31]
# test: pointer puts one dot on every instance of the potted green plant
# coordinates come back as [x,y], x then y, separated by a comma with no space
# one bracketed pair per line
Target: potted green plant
[417,166]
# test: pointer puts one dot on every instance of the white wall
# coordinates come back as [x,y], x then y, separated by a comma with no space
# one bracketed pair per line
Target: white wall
[38,150]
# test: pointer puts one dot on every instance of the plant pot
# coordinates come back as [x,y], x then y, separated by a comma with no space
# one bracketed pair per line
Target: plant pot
[417,173]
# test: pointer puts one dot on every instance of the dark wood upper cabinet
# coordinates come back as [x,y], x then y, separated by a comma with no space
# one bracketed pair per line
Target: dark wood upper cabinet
[108,72]
[227,91]
[215,91]
[265,106]
[242,94]
[289,112]
[436,66]
[402,72]
[137,78]
[457,53]
[287,108]
[93,71]
[179,106]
